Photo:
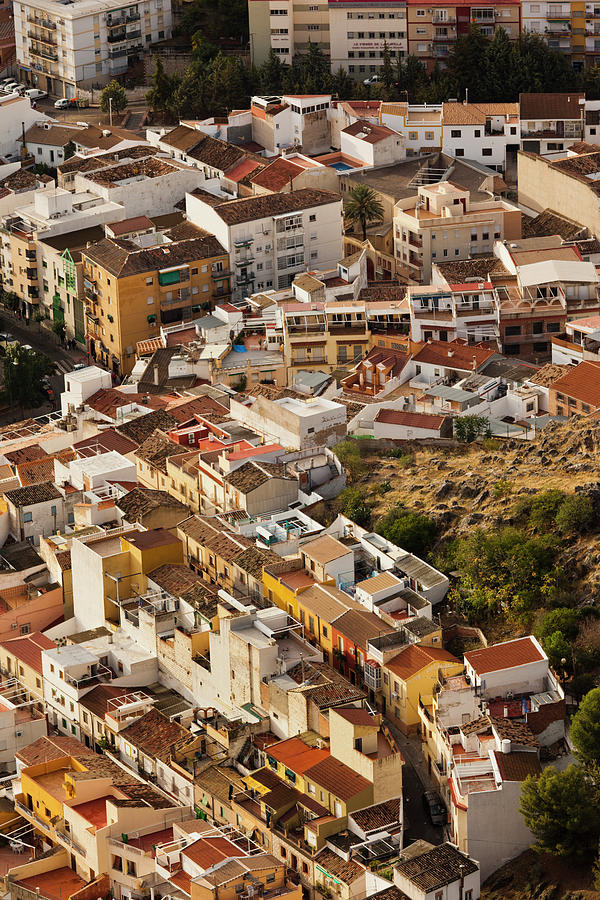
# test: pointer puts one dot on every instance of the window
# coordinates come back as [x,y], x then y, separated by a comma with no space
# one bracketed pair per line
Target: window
[455,132]
[486,151]
[413,136]
[512,330]
[27,517]
[429,135]
[324,631]
[459,151]
[25,629]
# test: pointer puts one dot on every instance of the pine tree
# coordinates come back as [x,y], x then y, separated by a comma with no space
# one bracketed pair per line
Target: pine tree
[387,70]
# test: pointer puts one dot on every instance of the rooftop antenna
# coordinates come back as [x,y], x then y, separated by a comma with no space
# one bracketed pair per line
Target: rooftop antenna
[466,95]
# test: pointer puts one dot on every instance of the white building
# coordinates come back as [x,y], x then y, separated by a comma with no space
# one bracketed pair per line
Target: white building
[518,666]
[92,472]
[295,423]
[481,132]
[63,48]
[82,384]
[273,237]
[467,311]
[374,145]
[16,111]
[421,125]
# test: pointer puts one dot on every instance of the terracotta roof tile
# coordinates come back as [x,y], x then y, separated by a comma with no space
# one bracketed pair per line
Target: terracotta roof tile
[551,106]
[517,765]
[437,868]
[34,493]
[28,648]
[453,355]
[518,652]
[52,747]
[410,419]
[414,658]
[235,212]
[337,778]
[581,382]
[154,734]
[297,755]
[347,871]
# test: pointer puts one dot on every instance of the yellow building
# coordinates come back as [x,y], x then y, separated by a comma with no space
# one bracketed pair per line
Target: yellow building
[409,678]
[260,871]
[318,606]
[283,583]
[133,286]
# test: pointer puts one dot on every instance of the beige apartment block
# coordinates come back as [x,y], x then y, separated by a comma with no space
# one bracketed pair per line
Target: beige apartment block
[442,223]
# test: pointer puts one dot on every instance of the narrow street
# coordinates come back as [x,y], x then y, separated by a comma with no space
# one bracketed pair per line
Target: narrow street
[46,342]
[415,780]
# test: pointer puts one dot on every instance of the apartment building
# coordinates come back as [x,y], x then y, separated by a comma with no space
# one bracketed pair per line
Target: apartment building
[467,311]
[578,342]
[272,238]
[352,35]
[575,393]
[434,27]
[551,122]
[64,48]
[323,334]
[132,287]
[442,222]
[421,125]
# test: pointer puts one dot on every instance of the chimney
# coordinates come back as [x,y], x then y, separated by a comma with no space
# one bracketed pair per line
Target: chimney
[157,379]
[450,352]
[474,362]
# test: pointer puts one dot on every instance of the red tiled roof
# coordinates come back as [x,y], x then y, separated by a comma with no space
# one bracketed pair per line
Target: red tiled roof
[414,658]
[105,441]
[582,383]
[56,884]
[339,779]
[207,852]
[49,748]
[518,652]
[296,755]
[356,716]
[410,419]
[28,649]
[277,175]
[137,223]
[453,355]
[367,132]
[517,765]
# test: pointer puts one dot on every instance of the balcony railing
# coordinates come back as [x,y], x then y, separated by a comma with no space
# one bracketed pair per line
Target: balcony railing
[99,673]
[67,839]
[42,23]
[45,54]
[50,39]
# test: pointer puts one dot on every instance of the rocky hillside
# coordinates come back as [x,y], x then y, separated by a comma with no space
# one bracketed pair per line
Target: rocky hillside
[534,876]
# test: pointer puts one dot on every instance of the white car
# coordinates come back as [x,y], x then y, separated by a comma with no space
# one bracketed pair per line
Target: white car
[372,79]
[35,94]
[10,87]
[63,103]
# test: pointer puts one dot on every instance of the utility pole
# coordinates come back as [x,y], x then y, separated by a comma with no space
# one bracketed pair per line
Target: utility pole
[110,111]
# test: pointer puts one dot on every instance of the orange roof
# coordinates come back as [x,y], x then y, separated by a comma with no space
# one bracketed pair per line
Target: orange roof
[409,419]
[507,655]
[277,175]
[207,852]
[414,658]
[56,884]
[582,383]
[453,354]
[296,755]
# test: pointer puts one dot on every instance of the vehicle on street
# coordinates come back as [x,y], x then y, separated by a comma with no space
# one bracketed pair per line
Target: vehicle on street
[9,87]
[63,103]
[79,366]
[71,103]
[372,79]
[36,94]
[5,337]
[434,805]
[27,347]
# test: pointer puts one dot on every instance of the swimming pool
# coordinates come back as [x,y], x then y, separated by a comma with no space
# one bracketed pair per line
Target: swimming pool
[340,166]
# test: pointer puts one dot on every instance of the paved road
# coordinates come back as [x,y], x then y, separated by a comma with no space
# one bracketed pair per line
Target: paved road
[415,781]
[41,339]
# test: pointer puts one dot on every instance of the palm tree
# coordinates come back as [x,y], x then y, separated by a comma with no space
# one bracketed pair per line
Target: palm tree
[363,206]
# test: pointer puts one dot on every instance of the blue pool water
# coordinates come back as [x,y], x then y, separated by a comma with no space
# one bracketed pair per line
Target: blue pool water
[340,166]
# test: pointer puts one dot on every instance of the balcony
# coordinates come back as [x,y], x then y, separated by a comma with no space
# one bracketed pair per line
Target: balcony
[68,840]
[443,20]
[42,23]
[220,274]
[243,242]
[116,36]
[31,255]
[246,260]
[558,28]
[45,54]
[246,278]
[429,313]
[412,239]
[349,327]
[132,17]
[98,675]
[116,54]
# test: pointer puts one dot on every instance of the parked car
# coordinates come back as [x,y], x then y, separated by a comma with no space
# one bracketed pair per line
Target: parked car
[63,103]
[79,366]
[372,79]
[5,81]
[434,805]
[6,338]
[10,86]
[19,89]
[36,94]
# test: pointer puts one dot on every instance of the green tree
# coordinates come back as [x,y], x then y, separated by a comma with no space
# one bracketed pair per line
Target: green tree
[540,509]
[387,70]
[348,453]
[59,329]
[575,514]
[23,373]
[270,74]
[467,64]
[561,811]
[499,57]
[408,529]
[160,95]
[468,428]
[355,507]
[506,568]
[363,206]
[115,92]
[585,729]
[342,85]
